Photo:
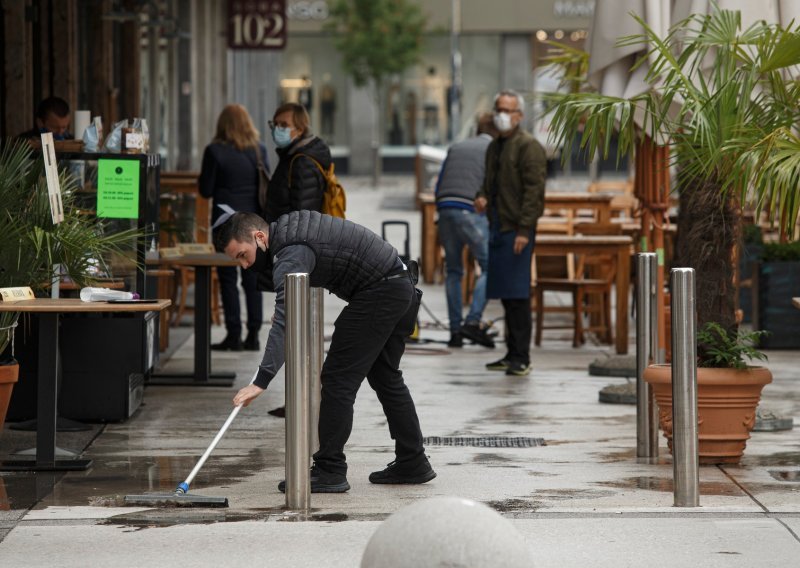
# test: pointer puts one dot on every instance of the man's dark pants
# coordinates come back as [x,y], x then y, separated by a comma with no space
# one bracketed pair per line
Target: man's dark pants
[519,324]
[368,341]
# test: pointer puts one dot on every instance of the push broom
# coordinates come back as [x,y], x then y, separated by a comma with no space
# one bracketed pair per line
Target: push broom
[181,497]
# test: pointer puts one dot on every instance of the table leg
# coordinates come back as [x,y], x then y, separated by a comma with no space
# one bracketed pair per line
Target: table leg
[202,375]
[622,286]
[47,397]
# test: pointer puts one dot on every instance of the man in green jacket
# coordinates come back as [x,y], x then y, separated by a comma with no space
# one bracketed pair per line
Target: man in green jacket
[513,196]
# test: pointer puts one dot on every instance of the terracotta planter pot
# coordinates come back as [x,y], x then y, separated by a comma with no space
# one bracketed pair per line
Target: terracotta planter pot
[726,408]
[8,376]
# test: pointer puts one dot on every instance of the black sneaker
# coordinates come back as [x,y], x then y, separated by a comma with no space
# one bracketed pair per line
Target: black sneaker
[500,365]
[230,343]
[251,342]
[280,412]
[396,473]
[475,333]
[323,482]
[518,369]
[455,340]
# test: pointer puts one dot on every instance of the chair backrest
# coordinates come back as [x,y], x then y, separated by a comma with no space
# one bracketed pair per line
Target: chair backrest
[603,266]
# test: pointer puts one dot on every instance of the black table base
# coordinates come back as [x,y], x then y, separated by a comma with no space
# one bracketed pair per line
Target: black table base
[190,380]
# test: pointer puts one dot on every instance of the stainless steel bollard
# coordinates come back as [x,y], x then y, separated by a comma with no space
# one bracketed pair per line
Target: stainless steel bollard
[317,357]
[646,418]
[656,354]
[686,476]
[298,374]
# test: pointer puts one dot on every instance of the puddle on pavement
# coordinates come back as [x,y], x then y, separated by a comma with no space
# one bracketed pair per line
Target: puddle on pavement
[170,517]
[567,494]
[110,478]
[665,485]
[792,475]
[494,460]
[777,459]
[514,506]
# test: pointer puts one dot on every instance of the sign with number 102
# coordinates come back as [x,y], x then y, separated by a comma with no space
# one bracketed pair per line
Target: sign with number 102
[256,24]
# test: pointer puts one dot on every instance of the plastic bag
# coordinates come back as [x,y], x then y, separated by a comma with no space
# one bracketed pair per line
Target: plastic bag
[91,140]
[114,141]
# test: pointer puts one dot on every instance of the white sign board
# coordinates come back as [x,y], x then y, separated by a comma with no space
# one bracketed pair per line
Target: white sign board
[51,173]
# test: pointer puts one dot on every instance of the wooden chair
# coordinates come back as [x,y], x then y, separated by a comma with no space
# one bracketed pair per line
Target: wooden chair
[590,289]
[183,185]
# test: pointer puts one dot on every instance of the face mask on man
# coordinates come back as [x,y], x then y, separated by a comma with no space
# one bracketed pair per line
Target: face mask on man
[261,261]
[282,135]
[502,120]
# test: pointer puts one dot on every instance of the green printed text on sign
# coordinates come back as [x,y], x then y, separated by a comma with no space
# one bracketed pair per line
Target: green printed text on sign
[118,189]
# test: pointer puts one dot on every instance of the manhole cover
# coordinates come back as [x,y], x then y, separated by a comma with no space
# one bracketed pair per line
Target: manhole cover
[485,441]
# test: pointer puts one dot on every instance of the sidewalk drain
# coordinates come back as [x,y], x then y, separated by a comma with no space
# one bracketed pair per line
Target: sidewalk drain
[485,441]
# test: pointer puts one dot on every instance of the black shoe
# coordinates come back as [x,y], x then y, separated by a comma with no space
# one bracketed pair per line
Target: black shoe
[251,343]
[518,369]
[475,333]
[230,343]
[396,473]
[501,365]
[455,340]
[323,482]
[280,412]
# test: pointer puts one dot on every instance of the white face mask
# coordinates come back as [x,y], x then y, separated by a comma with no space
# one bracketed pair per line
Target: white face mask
[502,120]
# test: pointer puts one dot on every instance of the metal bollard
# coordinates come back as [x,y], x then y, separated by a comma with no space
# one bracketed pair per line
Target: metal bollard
[317,357]
[646,417]
[298,373]
[686,476]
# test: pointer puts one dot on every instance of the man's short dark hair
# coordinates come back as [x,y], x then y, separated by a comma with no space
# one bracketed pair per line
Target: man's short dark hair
[239,227]
[52,105]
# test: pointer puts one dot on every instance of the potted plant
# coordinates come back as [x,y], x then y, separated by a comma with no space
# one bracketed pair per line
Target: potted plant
[778,281]
[728,391]
[725,101]
[32,244]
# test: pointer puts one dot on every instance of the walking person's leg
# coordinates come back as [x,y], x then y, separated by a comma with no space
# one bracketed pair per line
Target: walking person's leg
[230,305]
[453,244]
[254,300]
[475,230]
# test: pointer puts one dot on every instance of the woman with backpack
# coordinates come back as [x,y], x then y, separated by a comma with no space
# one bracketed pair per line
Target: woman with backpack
[298,182]
[230,176]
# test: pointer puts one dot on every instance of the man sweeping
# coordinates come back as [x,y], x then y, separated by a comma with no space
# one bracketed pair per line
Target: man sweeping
[369,337]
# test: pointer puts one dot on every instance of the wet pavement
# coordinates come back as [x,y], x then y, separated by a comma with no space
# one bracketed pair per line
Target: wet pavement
[575,490]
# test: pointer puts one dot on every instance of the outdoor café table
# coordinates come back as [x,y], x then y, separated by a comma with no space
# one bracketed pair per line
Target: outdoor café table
[201,376]
[559,245]
[49,311]
[600,202]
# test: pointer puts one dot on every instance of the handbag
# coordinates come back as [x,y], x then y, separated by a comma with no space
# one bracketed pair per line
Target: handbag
[263,181]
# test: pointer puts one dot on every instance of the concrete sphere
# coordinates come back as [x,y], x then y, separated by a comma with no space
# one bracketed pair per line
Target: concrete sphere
[446,532]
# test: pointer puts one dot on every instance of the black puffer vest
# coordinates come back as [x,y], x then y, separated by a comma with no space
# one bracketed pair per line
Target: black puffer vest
[349,257]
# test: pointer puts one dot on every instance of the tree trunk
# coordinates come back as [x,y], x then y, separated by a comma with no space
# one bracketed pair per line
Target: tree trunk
[709,225]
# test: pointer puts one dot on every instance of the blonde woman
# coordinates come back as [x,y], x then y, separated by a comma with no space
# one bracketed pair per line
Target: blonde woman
[229,176]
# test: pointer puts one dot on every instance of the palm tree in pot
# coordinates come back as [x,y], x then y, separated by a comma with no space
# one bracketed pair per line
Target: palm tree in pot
[725,101]
[32,244]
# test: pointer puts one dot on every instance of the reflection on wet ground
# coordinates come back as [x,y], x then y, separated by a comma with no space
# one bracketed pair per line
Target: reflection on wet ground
[790,475]
[664,484]
[111,477]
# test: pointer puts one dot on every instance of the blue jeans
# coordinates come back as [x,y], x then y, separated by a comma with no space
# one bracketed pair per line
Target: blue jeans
[459,227]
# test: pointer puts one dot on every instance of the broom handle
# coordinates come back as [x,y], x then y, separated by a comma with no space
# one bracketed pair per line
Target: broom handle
[213,445]
[217,438]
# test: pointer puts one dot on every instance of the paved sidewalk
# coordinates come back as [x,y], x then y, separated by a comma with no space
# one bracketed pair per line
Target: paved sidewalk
[582,499]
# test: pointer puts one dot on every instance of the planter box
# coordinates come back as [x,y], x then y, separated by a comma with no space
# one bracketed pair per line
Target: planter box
[726,408]
[777,283]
